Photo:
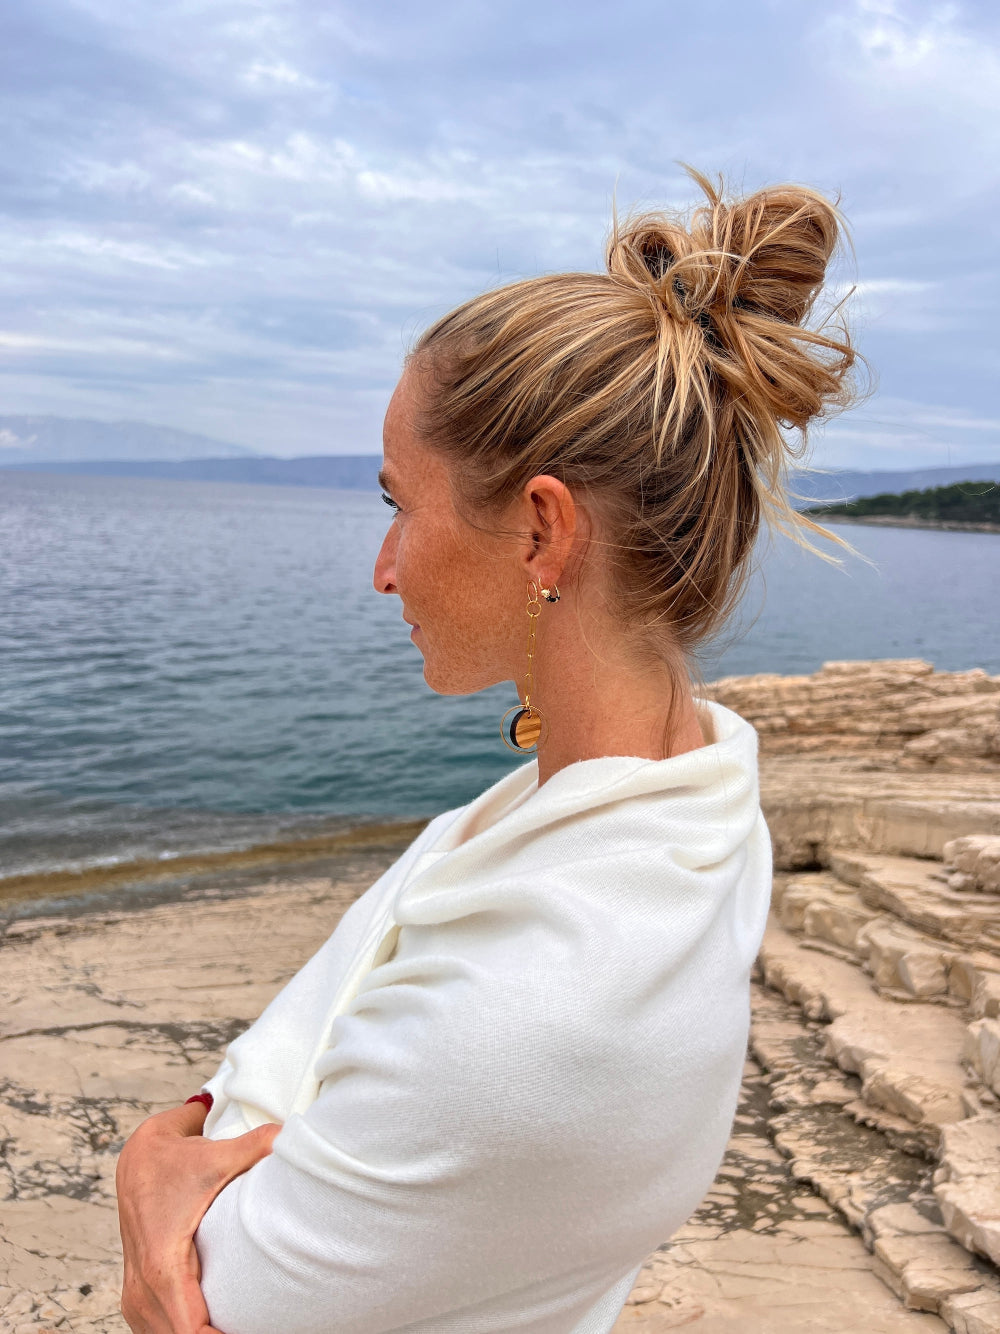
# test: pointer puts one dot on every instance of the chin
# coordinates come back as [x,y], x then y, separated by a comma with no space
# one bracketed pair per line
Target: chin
[447,687]
[443,684]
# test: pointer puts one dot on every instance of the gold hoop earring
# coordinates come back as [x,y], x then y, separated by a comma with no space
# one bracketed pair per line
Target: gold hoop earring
[524,730]
[551,594]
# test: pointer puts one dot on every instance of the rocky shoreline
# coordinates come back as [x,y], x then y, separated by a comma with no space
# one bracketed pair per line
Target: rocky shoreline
[861,1189]
[899,521]
[877,1017]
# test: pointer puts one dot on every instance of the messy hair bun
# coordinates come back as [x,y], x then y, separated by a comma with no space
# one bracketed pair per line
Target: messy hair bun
[666,390]
[747,274]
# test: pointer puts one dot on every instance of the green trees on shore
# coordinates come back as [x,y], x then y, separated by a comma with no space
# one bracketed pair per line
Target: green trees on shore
[963,502]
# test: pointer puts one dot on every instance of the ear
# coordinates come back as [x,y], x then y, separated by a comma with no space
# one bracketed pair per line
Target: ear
[552,519]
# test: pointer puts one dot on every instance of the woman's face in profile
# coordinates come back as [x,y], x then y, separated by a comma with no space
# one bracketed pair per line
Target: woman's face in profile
[458,586]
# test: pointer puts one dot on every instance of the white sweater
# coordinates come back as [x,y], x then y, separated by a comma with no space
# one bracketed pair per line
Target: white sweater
[511,1071]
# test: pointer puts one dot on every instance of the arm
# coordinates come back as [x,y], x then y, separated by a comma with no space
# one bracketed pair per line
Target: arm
[426,1152]
[168,1175]
[462,1151]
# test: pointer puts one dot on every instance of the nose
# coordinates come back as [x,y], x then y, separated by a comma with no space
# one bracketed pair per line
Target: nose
[385,563]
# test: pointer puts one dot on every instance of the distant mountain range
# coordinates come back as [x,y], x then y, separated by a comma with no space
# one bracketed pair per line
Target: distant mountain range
[137,449]
[75,439]
[351,472]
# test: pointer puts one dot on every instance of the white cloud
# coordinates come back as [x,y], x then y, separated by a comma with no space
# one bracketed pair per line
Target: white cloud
[8,440]
[189,192]
[921,62]
[300,158]
[397,187]
[106,248]
[280,73]
[893,433]
[887,34]
[121,178]
[90,350]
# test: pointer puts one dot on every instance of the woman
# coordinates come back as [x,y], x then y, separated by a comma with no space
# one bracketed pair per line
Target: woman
[512,1070]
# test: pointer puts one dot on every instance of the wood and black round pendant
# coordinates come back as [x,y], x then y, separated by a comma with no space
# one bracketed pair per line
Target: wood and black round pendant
[521,728]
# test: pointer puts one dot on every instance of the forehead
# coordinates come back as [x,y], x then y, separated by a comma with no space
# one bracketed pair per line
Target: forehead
[399,425]
[408,461]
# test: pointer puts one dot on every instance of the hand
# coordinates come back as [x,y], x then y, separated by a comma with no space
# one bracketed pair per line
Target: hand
[168,1175]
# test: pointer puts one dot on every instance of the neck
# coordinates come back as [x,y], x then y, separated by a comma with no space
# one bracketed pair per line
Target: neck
[597,699]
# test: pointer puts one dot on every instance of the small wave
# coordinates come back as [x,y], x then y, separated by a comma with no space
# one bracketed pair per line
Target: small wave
[118,873]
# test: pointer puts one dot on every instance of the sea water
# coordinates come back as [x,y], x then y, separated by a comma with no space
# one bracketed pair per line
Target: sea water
[190,666]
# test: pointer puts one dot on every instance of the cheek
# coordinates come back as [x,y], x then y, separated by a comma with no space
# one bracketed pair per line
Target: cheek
[428,568]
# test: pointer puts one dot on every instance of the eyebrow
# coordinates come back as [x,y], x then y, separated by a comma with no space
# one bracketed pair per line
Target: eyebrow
[384,480]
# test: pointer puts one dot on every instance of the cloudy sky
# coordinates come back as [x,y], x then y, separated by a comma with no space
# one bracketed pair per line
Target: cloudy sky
[231,216]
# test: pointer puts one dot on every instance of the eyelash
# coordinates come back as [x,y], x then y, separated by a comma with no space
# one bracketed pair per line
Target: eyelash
[391,503]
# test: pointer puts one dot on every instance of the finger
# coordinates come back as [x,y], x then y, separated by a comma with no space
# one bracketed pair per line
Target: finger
[179,1122]
[188,1119]
[238,1155]
[261,1140]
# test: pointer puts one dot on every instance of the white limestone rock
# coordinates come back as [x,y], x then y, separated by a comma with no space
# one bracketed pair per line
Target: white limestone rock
[982,1050]
[973,863]
[968,1188]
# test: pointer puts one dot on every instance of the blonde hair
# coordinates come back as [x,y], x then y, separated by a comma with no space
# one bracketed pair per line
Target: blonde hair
[663,389]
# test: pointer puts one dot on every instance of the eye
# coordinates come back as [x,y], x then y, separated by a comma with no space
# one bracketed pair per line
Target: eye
[391,503]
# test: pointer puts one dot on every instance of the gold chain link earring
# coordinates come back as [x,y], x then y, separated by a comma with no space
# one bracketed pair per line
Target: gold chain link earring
[525,727]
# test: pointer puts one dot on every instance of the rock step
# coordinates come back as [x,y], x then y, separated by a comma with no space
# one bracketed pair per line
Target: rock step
[908,1055]
[982,1051]
[903,961]
[812,814]
[917,893]
[898,711]
[967,1183]
[973,863]
[883,1191]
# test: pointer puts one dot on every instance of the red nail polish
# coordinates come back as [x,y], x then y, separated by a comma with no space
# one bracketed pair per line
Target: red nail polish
[205,1098]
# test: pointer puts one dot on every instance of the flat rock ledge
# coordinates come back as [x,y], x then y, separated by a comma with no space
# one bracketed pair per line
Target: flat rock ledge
[861,1188]
[900,711]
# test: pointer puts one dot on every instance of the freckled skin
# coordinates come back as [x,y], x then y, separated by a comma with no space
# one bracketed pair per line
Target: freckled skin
[458,585]
[467,590]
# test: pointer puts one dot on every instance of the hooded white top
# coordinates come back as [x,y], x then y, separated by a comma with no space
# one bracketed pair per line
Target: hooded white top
[511,1071]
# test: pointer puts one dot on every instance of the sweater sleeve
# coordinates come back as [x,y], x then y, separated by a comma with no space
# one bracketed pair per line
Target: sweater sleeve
[378,1204]
[476,1129]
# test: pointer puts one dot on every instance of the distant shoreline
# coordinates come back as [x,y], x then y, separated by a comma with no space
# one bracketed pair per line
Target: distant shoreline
[904,521]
